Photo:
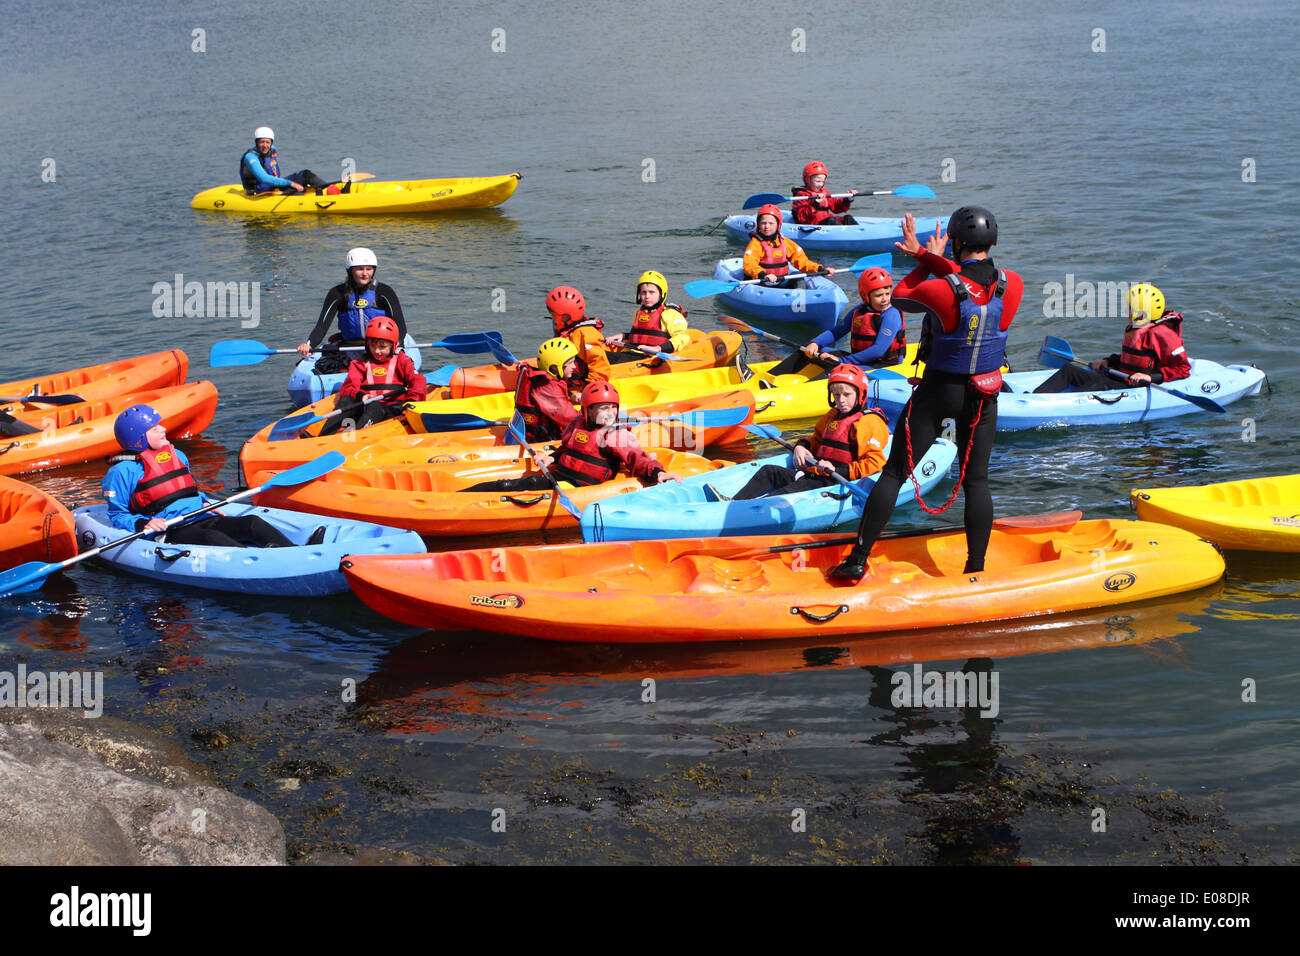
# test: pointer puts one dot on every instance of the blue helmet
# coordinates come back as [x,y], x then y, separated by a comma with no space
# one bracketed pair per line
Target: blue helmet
[132,426]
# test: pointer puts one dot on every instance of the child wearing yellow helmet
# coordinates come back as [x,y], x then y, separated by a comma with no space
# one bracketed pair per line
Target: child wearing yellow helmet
[658,323]
[1153,350]
[544,396]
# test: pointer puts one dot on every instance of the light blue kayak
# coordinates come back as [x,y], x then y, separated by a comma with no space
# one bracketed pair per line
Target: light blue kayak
[299,571]
[686,510]
[306,387]
[819,304]
[870,234]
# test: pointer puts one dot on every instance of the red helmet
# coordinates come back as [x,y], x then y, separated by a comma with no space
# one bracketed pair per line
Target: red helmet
[874,279]
[849,375]
[813,169]
[382,327]
[567,303]
[596,393]
[768,210]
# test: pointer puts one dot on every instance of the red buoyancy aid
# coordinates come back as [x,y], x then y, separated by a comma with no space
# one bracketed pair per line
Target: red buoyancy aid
[865,328]
[584,459]
[382,378]
[538,426]
[772,257]
[166,479]
[812,206]
[1139,352]
[648,327]
[837,443]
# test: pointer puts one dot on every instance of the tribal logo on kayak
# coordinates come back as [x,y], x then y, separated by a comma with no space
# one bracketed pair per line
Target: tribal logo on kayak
[1291,522]
[1119,581]
[509,601]
[211,300]
[1210,387]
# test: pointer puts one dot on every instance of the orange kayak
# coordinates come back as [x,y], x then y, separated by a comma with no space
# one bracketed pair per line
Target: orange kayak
[705,351]
[33,526]
[427,497]
[737,589]
[71,434]
[258,454]
[157,370]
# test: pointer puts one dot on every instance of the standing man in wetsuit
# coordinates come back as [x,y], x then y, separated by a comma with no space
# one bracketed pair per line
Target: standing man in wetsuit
[968,309]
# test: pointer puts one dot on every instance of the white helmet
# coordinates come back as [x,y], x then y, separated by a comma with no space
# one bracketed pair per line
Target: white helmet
[264,132]
[361,256]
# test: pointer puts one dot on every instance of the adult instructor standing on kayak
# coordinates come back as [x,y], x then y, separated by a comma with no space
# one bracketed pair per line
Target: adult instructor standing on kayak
[968,309]
[259,168]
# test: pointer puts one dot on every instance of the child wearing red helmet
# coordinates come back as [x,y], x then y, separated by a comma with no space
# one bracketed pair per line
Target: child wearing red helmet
[849,440]
[568,311]
[770,256]
[876,330]
[379,382]
[595,448]
[819,209]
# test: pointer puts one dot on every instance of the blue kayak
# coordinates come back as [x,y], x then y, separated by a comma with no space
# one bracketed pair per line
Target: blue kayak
[306,387]
[299,571]
[687,510]
[869,235]
[820,304]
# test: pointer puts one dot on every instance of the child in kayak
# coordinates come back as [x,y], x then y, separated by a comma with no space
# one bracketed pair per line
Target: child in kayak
[151,482]
[849,440]
[379,383]
[1152,351]
[544,396]
[353,302]
[593,449]
[818,209]
[876,330]
[658,324]
[568,310]
[770,255]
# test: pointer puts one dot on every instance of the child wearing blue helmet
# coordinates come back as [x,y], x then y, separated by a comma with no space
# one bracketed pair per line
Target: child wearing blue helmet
[151,482]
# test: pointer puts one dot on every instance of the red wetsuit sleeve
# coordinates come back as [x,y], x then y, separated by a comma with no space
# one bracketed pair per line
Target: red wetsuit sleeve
[1172,363]
[356,376]
[417,389]
[552,400]
[633,459]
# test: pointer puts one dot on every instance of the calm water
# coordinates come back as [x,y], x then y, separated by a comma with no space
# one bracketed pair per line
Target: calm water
[1120,165]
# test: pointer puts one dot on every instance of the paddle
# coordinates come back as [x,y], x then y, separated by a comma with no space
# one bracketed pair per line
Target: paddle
[701,418]
[767,431]
[290,426]
[30,576]
[878,374]
[37,399]
[249,352]
[1052,521]
[569,506]
[655,353]
[914,190]
[1057,352]
[701,288]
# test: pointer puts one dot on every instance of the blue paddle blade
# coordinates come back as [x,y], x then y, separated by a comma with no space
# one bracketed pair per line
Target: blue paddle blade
[469,343]
[25,577]
[306,472]
[1055,353]
[885,375]
[702,288]
[881,260]
[915,190]
[442,377]
[764,431]
[238,352]
[763,199]
[517,429]
[1059,346]
[502,354]
[446,421]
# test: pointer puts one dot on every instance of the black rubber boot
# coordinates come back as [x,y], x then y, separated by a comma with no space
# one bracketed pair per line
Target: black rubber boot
[852,568]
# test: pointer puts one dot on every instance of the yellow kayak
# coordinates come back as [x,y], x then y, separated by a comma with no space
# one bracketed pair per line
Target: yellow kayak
[369,198]
[785,398]
[1258,514]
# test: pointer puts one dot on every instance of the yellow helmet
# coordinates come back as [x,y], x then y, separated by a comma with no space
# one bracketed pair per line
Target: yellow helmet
[553,353]
[1146,304]
[655,279]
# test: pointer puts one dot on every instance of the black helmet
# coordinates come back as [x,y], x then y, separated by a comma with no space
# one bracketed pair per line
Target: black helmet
[973,226]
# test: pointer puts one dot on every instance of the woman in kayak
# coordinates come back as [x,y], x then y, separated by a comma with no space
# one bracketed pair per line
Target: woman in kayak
[1152,351]
[876,330]
[818,209]
[380,382]
[569,319]
[658,324]
[545,395]
[770,255]
[353,302]
[967,316]
[849,440]
[594,449]
[151,482]
[259,169]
